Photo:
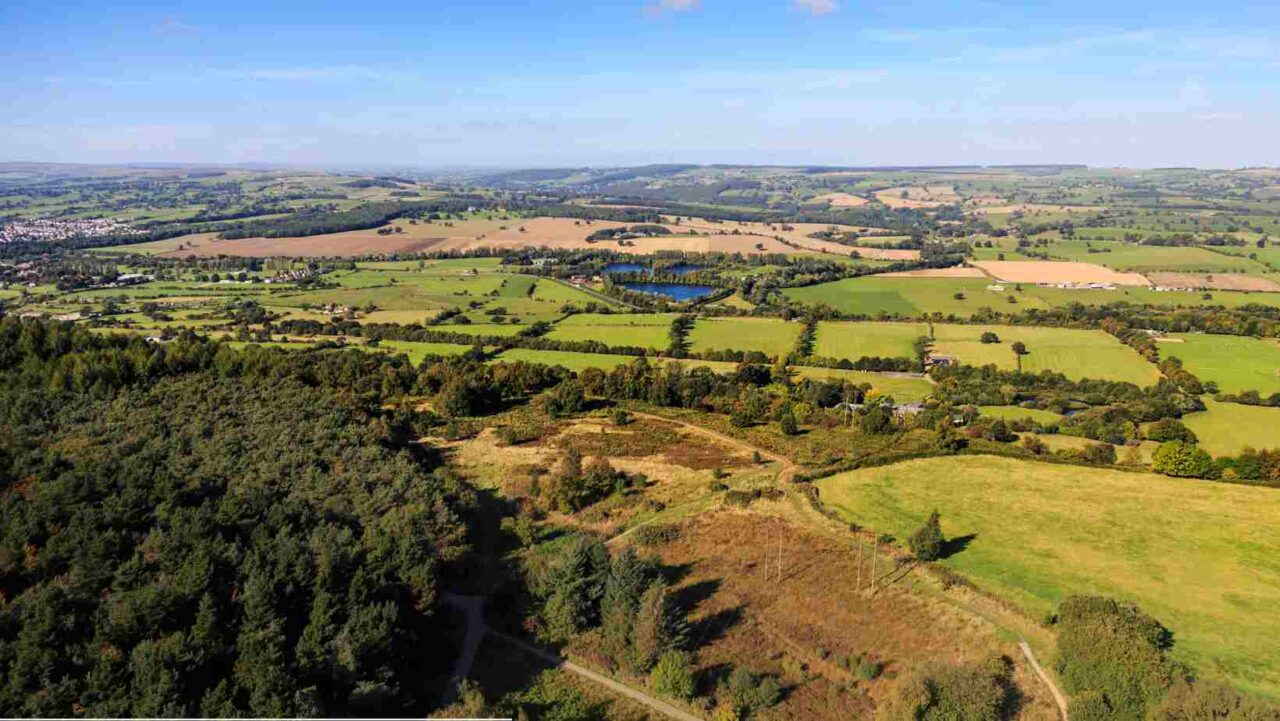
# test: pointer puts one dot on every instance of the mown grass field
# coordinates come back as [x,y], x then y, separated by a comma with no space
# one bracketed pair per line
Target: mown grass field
[1226,428]
[648,330]
[770,336]
[1073,352]
[856,340]
[1200,556]
[1131,256]
[1016,413]
[1235,363]
[911,297]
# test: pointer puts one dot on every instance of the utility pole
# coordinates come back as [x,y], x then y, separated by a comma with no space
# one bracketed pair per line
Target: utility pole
[858,536]
[873,563]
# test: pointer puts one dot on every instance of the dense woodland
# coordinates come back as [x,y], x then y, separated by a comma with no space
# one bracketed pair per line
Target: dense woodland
[194,532]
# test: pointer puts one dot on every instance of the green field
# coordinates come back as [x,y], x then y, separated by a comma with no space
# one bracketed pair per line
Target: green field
[1200,556]
[1016,413]
[1073,352]
[770,336]
[418,350]
[1226,428]
[856,340]
[1235,363]
[901,296]
[912,297]
[902,389]
[647,330]
[1131,256]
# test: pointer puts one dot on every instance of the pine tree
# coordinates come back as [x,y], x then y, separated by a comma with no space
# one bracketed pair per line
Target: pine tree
[659,626]
[927,542]
[628,576]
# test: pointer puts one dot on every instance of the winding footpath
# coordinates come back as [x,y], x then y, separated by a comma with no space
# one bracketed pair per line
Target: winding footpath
[472,607]
[1058,698]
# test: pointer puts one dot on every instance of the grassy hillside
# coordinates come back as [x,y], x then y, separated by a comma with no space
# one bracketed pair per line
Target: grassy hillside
[1200,556]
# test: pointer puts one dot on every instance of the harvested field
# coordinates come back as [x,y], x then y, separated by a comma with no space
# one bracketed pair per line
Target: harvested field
[841,200]
[929,196]
[693,236]
[806,624]
[1214,281]
[959,271]
[1049,271]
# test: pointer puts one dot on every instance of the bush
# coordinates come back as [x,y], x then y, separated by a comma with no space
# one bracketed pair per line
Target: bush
[1169,429]
[1113,651]
[620,417]
[1182,460]
[989,337]
[672,677]
[749,692]
[656,534]
[972,692]
[927,542]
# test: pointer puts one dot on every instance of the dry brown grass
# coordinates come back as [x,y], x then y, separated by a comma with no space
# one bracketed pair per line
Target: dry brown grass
[959,271]
[841,200]
[802,623]
[1215,281]
[1050,271]
[928,196]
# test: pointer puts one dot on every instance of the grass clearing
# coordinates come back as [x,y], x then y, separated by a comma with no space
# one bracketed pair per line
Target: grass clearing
[1226,428]
[1235,363]
[1200,556]
[647,330]
[1073,352]
[1017,413]
[770,336]
[855,340]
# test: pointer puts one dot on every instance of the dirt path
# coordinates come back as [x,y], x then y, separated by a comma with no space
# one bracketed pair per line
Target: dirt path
[473,608]
[787,467]
[658,705]
[1058,698]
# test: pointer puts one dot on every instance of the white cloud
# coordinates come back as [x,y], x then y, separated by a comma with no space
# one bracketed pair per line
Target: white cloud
[670,6]
[816,7]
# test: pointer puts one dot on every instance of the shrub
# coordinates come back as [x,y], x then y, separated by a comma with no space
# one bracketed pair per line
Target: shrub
[672,677]
[1111,657]
[1169,429]
[620,417]
[1182,460]
[972,692]
[927,542]
[750,692]
[989,337]
[656,534]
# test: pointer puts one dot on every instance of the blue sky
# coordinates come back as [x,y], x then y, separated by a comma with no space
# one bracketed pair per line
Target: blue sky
[552,82]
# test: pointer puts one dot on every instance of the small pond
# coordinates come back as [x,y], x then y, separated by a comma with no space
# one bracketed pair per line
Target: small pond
[675,291]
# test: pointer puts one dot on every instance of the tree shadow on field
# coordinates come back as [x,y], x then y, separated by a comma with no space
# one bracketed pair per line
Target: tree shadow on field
[952,546]
[713,627]
[691,596]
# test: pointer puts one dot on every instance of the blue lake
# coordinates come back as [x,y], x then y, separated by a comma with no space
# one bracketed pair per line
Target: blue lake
[675,291]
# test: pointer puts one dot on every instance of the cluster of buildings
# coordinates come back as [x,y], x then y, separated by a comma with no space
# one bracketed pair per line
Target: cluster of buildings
[45,230]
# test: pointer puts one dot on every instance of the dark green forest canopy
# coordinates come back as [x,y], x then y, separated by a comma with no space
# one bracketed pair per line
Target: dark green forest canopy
[184,534]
